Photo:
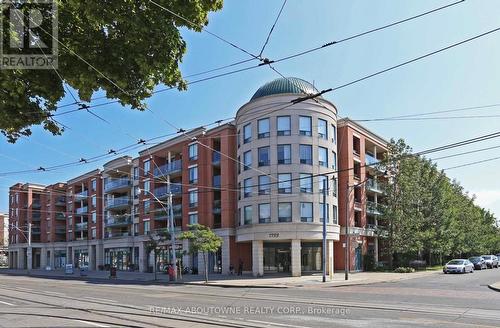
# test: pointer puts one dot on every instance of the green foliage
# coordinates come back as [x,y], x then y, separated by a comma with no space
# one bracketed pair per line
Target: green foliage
[428,216]
[135,44]
[404,270]
[202,240]
[369,262]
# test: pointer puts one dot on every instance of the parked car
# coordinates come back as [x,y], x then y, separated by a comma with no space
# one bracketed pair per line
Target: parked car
[479,262]
[491,261]
[458,266]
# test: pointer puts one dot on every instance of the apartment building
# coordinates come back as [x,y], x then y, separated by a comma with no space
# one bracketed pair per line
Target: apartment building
[361,194]
[4,239]
[258,182]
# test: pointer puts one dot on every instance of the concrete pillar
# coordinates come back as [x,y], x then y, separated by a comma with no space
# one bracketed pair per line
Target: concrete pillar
[296,258]
[29,257]
[201,264]
[329,258]
[376,250]
[257,258]
[52,259]
[69,255]
[226,258]
[143,257]
[43,258]
[92,256]
[99,255]
[21,255]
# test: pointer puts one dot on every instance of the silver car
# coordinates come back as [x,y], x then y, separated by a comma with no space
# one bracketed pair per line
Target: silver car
[491,261]
[458,266]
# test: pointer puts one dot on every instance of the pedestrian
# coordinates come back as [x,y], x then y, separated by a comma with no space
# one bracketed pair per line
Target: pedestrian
[231,269]
[240,268]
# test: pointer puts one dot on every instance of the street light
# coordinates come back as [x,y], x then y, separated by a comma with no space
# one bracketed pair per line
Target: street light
[171,223]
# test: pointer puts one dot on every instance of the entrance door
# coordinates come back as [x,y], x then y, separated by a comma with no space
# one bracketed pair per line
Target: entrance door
[283,259]
[277,257]
[358,259]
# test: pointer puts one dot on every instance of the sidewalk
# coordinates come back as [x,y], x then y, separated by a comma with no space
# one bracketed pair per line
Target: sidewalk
[495,286]
[268,281]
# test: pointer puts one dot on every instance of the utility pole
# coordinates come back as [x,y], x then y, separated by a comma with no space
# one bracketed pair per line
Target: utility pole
[171,220]
[347,223]
[325,215]
[30,251]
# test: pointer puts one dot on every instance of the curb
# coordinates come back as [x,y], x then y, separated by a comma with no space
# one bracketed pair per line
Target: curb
[495,286]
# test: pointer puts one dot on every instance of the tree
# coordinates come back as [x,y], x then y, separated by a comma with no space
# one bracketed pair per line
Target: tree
[154,244]
[202,240]
[133,46]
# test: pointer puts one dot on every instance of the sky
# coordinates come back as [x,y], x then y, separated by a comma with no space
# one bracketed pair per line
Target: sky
[465,76]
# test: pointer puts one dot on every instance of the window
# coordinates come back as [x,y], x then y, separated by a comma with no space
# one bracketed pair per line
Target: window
[136,209]
[193,174]
[322,212]
[322,129]
[265,213]
[305,154]
[147,227]
[146,206]
[284,183]
[334,160]
[283,125]
[146,187]
[247,133]
[306,182]
[136,191]
[247,216]
[284,212]
[94,184]
[321,181]
[334,134]
[334,216]
[323,156]
[263,128]
[94,217]
[193,218]
[247,160]
[264,186]
[94,201]
[284,154]
[136,173]
[147,167]
[193,152]
[93,233]
[264,159]
[247,187]
[306,212]
[305,125]
[193,198]
[136,229]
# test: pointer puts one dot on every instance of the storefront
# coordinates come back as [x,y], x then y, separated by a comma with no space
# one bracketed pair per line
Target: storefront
[81,258]
[59,259]
[122,258]
[277,257]
[311,256]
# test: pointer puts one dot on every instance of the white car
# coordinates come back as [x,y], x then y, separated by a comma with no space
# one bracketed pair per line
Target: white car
[458,266]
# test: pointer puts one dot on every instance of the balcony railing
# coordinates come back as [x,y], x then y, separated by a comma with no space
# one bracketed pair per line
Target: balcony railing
[373,208]
[109,234]
[60,201]
[118,220]
[370,159]
[162,192]
[60,216]
[81,196]
[118,202]
[81,226]
[36,204]
[113,184]
[168,168]
[373,185]
[61,230]
[82,210]
[216,181]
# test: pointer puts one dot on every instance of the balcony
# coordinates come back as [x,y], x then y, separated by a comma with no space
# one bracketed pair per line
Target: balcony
[60,201]
[60,230]
[118,203]
[373,208]
[216,158]
[370,159]
[216,209]
[109,234]
[168,168]
[118,221]
[162,192]
[35,230]
[81,196]
[83,226]
[82,210]
[60,216]
[161,214]
[216,181]
[373,186]
[117,184]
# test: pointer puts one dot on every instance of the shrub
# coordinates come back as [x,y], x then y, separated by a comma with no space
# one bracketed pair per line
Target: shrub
[418,264]
[404,270]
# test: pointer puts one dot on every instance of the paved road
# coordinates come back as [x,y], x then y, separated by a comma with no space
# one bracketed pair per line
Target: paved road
[433,301]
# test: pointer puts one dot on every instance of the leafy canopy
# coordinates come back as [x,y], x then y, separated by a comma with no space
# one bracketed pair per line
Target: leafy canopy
[133,43]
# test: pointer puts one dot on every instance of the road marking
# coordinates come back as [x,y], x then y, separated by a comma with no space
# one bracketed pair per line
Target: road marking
[6,303]
[100,299]
[54,293]
[93,324]
[275,323]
